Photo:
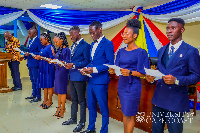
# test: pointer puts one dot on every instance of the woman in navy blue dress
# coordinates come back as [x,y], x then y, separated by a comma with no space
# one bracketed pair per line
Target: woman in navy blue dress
[61,73]
[132,60]
[46,71]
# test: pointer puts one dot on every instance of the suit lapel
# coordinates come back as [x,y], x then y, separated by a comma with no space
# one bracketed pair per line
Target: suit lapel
[32,44]
[177,56]
[77,47]
[98,47]
[161,56]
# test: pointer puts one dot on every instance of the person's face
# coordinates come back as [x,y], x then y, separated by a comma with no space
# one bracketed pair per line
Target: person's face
[58,42]
[174,30]
[95,33]
[128,35]
[74,34]
[31,34]
[43,40]
[8,37]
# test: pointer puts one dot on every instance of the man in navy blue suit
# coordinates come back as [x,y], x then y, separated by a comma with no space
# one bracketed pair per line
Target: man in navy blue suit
[34,47]
[179,62]
[80,57]
[102,52]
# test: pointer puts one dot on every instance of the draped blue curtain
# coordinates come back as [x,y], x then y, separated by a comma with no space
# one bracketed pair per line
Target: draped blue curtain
[170,7]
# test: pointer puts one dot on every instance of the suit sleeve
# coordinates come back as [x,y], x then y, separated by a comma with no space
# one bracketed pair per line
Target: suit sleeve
[67,55]
[193,70]
[109,52]
[86,57]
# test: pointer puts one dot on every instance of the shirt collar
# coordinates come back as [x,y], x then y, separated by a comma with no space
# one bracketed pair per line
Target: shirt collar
[177,45]
[99,40]
[77,42]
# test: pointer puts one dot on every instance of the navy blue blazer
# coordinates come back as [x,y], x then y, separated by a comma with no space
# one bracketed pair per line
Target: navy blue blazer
[34,48]
[184,65]
[104,54]
[80,59]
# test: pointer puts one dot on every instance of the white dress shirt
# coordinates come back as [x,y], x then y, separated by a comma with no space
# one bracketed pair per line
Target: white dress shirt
[32,42]
[176,46]
[93,51]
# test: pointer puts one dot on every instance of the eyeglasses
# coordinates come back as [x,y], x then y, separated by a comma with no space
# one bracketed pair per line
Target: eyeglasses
[124,34]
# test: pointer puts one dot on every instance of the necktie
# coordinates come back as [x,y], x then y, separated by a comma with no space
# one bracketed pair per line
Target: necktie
[30,42]
[75,44]
[171,51]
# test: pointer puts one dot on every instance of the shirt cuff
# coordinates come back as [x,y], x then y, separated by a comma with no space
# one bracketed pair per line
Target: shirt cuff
[95,70]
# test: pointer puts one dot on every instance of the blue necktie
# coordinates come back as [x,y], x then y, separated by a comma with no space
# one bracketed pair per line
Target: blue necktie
[171,51]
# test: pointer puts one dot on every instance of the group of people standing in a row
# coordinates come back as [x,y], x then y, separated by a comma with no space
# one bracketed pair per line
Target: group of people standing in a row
[178,61]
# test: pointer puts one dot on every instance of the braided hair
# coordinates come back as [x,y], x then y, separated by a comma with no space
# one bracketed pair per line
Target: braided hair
[62,36]
[47,36]
[135,25]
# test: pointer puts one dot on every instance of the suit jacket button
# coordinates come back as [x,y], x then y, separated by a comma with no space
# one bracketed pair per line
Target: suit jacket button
[161,85]
[169,87]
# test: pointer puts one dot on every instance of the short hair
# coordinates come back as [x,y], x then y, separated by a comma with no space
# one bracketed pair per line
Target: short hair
[75,28]
[135,24]
[178,20]
[97,24]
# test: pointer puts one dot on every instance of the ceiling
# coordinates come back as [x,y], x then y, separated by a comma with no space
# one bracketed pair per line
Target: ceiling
[83,4]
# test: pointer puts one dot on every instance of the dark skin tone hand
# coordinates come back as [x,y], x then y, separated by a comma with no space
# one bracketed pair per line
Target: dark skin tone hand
[168,79]
[150,78]
[89,70]
[27,54]
[111,71]
[82,71]
[68,65]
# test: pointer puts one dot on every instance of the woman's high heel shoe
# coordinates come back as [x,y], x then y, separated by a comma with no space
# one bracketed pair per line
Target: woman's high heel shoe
[42,105]
[46,107]
[62,112]
[57,112]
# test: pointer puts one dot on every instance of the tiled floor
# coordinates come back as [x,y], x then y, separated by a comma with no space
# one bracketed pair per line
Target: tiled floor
[17,115]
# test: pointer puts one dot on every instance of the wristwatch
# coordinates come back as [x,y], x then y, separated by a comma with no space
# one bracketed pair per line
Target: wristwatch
[130,72]
[177,82]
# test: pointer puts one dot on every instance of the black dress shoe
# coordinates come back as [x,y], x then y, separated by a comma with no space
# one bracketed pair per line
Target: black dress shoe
[88,131]
[16,89]
[79,127]
[68,122]
[35,100]
[31,97]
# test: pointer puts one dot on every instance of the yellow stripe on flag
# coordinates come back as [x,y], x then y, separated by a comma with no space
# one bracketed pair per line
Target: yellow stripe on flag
[141,40]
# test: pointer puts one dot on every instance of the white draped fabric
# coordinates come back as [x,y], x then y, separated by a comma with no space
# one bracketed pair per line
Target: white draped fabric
[6,18]
[22,28]
[84,28]
[190,14]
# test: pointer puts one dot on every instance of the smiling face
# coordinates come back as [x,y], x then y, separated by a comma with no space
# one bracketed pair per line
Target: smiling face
[58,42]
[174,31]
[95,33]
[128,35]
[43,40]
[74,35]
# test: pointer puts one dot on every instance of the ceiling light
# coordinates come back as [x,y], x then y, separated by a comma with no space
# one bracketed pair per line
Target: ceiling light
[51,6]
